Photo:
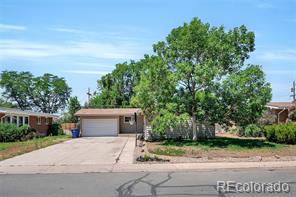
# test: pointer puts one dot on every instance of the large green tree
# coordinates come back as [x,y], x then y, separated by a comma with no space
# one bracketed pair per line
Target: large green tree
[204,64]
[47,93]
[156,88]
[116,88]
[16,87]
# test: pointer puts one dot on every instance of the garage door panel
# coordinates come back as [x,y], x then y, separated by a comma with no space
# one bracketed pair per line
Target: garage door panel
[99,127]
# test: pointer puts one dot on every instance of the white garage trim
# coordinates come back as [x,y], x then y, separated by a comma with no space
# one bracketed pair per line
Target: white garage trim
[92,127]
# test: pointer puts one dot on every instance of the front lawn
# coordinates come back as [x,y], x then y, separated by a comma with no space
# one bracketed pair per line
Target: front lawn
[221,147]
[11,149]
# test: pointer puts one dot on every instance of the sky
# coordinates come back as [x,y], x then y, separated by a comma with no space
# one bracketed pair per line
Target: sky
[81,40]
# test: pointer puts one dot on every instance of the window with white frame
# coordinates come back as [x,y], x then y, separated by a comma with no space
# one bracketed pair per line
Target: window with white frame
[39,120]
[20,120]
[127,119]
[7,119]
[47,120]
[14,119]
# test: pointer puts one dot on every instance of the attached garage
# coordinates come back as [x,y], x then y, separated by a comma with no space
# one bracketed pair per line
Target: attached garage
[110,122]
[99,127]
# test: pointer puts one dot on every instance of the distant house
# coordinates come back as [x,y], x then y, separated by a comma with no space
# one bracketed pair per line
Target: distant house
[281,110]
[36,120]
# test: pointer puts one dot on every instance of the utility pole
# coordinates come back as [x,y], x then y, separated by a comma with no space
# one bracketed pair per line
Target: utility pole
[88,96]
[293,90]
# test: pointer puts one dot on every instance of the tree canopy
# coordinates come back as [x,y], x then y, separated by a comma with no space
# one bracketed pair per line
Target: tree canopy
[199,71]
[73,107]
[4,103]
[47,93]
[116,88]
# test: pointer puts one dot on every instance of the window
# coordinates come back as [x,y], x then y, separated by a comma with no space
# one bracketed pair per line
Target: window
[7,119]
[14,119]
[127,119]
[47,121]
[39,120]
[26,120]
[20,120]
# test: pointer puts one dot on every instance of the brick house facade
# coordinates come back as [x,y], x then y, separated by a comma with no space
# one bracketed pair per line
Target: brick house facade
[36,120]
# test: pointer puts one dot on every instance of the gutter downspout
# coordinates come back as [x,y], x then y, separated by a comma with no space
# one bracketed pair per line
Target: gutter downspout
[278,118]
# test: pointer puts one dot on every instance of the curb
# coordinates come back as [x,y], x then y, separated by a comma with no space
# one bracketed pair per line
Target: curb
[143,167]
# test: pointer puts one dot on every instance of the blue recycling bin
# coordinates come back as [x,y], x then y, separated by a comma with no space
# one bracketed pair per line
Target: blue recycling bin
[75,133]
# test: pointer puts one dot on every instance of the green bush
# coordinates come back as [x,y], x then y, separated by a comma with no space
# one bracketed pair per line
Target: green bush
[292,115]
[252,130]
[55,129]
[234,130]
[281,133]
[11,132]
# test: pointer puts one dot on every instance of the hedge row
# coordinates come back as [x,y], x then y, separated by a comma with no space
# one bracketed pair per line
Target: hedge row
[281,133]
[11,132]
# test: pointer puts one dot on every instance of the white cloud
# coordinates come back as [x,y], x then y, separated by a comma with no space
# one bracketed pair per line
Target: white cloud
[287,54]
[94,64]
[120,33]
[5,27]
[17,49]
[70,30]
[93,72]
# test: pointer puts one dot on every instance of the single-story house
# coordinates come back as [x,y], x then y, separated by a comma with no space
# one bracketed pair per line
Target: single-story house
[281,110]
[36,120]
[110,121]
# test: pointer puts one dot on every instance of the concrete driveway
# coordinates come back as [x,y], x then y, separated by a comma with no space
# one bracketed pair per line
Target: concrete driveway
[81,153]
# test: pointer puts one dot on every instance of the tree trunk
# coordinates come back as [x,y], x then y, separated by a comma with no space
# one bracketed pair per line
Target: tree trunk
[194,129]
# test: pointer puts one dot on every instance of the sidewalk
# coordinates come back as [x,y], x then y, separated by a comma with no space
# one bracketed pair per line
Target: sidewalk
[125,167]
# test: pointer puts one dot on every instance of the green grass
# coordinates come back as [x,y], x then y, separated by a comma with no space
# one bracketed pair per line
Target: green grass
[223,143]
[11,149]
[218,145]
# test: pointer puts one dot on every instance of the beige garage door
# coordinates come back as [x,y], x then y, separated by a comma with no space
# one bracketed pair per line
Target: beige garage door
[99,127]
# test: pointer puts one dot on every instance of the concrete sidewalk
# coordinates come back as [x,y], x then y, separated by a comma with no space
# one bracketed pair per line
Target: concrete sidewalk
[125,167]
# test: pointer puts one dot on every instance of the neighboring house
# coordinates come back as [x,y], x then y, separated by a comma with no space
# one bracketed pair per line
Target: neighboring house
[281,110]
[110,121]
[36,120]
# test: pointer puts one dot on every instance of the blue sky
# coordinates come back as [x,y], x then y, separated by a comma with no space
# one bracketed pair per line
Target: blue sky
[82,40]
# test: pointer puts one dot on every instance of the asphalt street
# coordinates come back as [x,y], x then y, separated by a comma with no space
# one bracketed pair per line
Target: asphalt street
[142,184]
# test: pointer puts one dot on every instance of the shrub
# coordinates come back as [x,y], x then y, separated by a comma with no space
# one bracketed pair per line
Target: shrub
[168,121]
[252,130]
[235,130]
[11,132]
[292,115]
[55,129]
[281,133]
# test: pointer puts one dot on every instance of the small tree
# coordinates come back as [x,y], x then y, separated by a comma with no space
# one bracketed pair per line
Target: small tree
[73,107]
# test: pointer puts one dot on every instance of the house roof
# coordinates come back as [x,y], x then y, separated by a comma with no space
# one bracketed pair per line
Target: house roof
[281,105]
[25,112]
[107,111]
